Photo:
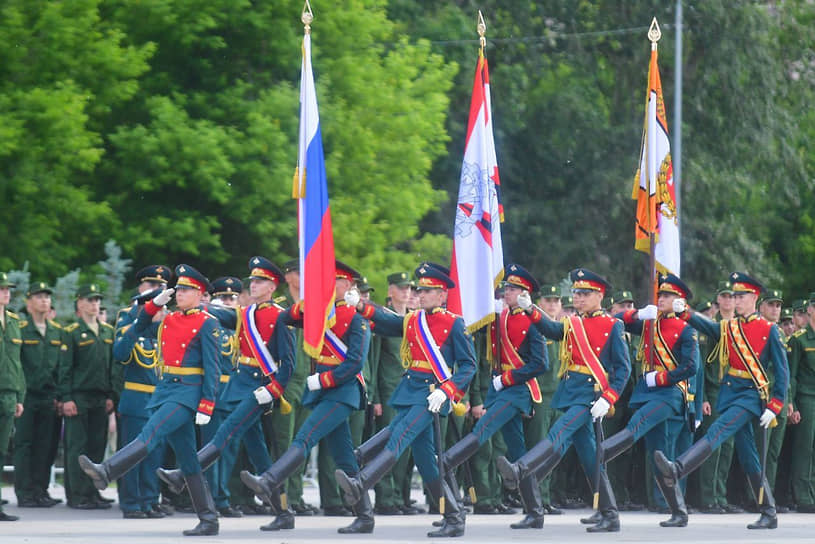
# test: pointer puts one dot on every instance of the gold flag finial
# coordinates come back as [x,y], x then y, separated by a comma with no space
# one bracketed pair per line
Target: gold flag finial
[307,17]
[482,29]
[654,33]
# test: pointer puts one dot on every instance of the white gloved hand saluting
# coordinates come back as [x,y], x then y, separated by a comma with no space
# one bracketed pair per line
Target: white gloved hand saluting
[600,408]
[435,400]
[163,298]
[649,312]
[524,300]
[679,305]
[351,297]
[766,418]
[263,396]
[497,383]
[313,382]
[651,378]
[201,419]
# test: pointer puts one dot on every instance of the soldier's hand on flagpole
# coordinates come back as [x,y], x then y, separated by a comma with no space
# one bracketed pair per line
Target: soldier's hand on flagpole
[352,297]
[600,408]
[499,305]
[766,418]
[263,396]
[497,383]
[651,378]
[679,305]
[201,418]
[436,400]
[524,300]
[163,298]
[313,382]
[649,312]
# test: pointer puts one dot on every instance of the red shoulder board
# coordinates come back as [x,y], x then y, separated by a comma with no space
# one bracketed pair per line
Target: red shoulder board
[265,319]
[177,332]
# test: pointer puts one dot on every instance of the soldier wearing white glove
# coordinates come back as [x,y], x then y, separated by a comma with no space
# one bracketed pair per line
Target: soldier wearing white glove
[436,400]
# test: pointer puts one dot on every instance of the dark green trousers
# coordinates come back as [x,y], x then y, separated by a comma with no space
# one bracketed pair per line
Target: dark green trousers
[8,401]
[535,429]
[714,472]
[294,485]
[802,473]
[34,432]
[85,433]
[390,489]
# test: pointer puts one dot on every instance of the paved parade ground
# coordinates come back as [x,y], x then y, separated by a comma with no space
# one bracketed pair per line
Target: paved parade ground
[60,524]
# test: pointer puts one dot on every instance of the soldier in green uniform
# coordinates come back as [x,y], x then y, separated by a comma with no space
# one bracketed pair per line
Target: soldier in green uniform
[799,314]
[42,339]
[537,427]
[12,379]
[712,479]
[85,388]
[786,323]
[802,392]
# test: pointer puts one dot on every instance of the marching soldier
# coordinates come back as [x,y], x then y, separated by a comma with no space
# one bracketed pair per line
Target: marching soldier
[435,342]
[188,348]
[594,353]
[12,379]
[669,357]
[139,488]
[748,346]
[35,429]
[802,392]
[335,390]
[518,357]
[86,390]
[265,363]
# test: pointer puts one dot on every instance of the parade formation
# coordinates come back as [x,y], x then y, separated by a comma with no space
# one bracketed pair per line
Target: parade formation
[220,390]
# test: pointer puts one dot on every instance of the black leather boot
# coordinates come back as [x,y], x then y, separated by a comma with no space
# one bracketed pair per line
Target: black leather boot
[769,517]
[284,517]
[356,486]
[531,497]
[676,502]
[117,465]
[594,519]
[454,519]
[672,472]
[608,509]
[513,473]
[371,447]
[364,522]
[267,483]
[175,479]
[203,505]
[460,451]
[616,444]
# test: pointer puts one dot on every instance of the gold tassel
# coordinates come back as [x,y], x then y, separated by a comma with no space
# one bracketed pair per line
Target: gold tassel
[565,353]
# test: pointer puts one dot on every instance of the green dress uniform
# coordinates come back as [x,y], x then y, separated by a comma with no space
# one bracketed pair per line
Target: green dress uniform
[802,391]
[12,381]
[293,421]
[84,377]
[35,429]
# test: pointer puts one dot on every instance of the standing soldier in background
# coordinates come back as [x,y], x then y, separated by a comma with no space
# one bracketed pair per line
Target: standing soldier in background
[86,390]
[12,380]
[35,429]
[139,489]
[802,395]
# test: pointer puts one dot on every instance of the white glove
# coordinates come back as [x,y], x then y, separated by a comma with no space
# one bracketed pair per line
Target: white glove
[435,400]
[263,396]
[351,297]
[201,419]
[499,305]
[216,302]
[600,408]
[766,418]
[649,312]
[163,298]
[524,300]
[497,383]
[313,382]
[651,378]
[698,422]
[679,305]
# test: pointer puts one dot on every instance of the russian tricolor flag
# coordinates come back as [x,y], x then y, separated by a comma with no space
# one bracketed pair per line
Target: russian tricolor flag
[317,268]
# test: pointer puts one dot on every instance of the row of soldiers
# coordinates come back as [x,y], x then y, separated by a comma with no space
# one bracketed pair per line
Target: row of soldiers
[518,367]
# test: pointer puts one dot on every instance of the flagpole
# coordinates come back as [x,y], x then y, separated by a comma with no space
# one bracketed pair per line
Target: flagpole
[654,34]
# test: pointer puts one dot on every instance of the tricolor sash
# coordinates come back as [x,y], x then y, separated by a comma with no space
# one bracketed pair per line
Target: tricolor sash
[510,355]
[747,356]
[338,348]
[581,343]
[256,343]
[431,351]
